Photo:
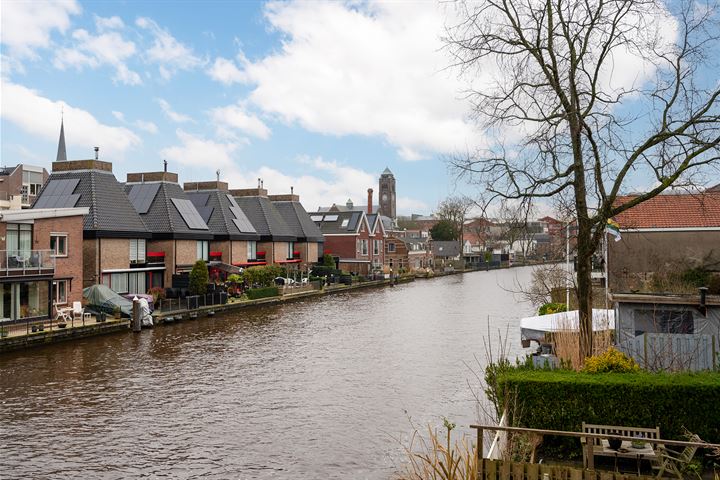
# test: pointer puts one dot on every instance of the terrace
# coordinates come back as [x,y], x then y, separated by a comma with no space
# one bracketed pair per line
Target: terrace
[19,263]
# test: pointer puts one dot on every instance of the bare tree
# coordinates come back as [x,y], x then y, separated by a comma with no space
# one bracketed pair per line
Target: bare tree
[562,122]
[455,210]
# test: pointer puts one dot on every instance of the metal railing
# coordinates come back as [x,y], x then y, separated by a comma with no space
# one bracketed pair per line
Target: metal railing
[191,302]
[26,262]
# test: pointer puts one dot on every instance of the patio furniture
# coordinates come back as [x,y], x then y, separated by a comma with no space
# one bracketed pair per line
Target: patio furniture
[601,447]
[63,314]
[675,462]
[79,311]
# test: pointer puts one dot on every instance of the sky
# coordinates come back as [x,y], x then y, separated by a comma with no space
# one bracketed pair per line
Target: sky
[318,96]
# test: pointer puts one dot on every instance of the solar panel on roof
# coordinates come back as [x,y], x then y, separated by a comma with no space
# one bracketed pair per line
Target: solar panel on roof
[232,201]
[189,214]
[142,195]
[58,194]
[241,221]
[316,218]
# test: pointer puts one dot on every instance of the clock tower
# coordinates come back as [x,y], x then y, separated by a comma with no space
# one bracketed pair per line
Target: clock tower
[386,194]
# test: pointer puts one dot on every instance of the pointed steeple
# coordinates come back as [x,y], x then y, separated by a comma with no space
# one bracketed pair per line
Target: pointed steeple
[61,153]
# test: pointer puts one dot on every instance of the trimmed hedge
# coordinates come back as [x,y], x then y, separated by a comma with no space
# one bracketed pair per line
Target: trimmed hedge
[264,292]
[562,400]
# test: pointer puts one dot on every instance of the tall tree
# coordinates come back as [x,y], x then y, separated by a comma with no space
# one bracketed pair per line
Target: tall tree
[585,99]
[454,210]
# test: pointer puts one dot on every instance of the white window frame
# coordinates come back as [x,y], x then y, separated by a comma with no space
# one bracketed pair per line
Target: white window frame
[364,247]
[56,252]
[56,287]
[137,250]
[377,247]
[291,250]
[203,250]
[251,249]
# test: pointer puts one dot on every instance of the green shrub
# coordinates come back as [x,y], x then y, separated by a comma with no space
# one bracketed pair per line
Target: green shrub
[255,293]
[611,361]
[550,308]
[199,278]
[563,400]
[328,260]
[262,275]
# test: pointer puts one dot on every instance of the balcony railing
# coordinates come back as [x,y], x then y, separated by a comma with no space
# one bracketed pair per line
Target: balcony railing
[26,262]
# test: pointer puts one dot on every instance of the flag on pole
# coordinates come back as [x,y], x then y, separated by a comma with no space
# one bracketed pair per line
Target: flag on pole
[613,228]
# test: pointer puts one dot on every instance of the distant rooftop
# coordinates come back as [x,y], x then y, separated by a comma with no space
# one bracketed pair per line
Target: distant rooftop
[698,210]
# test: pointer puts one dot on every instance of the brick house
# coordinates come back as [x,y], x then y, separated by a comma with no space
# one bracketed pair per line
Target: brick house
[308,248]
[180,236]
[41,263]
[234,237]
[19,185]
[347,236]
[114,235]
[665,233]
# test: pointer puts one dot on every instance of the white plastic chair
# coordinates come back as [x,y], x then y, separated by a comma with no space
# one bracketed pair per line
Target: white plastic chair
[79,311]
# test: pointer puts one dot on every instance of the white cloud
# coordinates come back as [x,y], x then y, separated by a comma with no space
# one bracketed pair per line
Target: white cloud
[27,25]
[225,71]
[170,113]
[236,117]
[373,70]
[94,51]
[149,127]
[108,23]
[199,151]
[40,116]
[167,51]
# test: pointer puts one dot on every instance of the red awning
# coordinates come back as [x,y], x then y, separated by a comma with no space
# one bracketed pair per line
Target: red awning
[249,264]
[297,260]
[155,254]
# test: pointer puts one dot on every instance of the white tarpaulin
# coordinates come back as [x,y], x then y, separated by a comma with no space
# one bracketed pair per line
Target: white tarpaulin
[535,328]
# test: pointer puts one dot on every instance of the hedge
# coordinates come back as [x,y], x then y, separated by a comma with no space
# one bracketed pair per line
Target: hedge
[264,292]
[563,400]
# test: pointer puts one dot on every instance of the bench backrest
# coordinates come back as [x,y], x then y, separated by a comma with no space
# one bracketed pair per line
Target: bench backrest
[621,431]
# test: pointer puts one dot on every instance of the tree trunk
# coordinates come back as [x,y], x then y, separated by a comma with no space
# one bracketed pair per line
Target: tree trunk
[584,288]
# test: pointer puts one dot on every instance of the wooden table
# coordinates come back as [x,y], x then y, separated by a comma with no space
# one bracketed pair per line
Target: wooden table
[626,450]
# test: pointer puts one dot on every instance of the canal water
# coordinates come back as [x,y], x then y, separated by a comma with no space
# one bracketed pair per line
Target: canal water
[316,389]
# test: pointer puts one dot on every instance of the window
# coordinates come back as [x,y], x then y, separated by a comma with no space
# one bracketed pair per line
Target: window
[132,282]
[290,250]
[60,291]
[345,222]
[664,321]
[203,250]
[364,247]
[119,282]
[137,250]
[377,246]
[251,250]
[391,247]
[58,244]
[19,239]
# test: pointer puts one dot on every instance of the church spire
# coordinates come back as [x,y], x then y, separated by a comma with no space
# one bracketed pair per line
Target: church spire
[61,153]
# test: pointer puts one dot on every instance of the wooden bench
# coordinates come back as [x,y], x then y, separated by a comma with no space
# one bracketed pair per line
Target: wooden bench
[612,430]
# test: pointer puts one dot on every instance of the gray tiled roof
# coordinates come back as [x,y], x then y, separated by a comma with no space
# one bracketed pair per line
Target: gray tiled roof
[163,218]
[449,248]
[266,219]
[110,212]
[335,227]
[299,221]
[214,207]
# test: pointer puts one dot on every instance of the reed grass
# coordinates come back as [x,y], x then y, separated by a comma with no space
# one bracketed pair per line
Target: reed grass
[567,343]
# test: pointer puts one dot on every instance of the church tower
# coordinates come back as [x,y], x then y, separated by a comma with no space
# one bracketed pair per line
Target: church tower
[387,194]
[61,153]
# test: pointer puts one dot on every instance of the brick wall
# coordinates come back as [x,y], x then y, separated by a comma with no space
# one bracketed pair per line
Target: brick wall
[239,251]
[185,253]
[90,262]
[266,247]
[167,246]
[70,267]
[114,253]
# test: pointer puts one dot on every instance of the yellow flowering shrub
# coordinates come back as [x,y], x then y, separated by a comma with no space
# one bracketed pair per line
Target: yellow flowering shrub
[611,361]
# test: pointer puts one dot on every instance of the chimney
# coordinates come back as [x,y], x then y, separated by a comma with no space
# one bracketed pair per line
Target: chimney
[349,204]
[97,152]
[370,206]
[164,165]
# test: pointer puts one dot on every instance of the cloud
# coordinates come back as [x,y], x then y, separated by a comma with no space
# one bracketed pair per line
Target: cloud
[167,51]
[197,151]
[108,23]
[236,117]
[40,116]
[149,127]
[94,51]
[374,70]
[27,25]
[170,113]
[225,71]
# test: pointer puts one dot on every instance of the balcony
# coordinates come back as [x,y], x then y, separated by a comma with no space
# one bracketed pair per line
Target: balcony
[19,263]
[155,258]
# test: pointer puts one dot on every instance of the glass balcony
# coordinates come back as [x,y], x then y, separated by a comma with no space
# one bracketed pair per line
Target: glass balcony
[17,263]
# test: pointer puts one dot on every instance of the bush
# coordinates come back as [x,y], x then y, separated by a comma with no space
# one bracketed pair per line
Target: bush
[563,400]
[255,293]
[199,278]
[611,361]
[550,308]
[263,276]
[158,293]
[328,261]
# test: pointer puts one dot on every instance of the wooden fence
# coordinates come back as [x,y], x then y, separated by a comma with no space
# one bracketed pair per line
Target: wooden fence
[674,352]
[507,470]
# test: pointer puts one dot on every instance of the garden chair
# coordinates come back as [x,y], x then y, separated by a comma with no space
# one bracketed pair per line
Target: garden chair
[79,311]
[675,462]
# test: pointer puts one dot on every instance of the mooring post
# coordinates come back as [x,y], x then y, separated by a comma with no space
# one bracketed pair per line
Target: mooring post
[480,453]
[136,325]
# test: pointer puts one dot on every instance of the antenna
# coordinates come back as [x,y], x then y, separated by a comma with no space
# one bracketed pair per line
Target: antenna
[165,165]
[259,182]
[97,152]
[217,174]
[262,183]
[291,189]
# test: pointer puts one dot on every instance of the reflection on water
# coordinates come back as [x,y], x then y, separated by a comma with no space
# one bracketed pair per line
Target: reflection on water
[312,389]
